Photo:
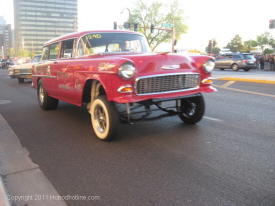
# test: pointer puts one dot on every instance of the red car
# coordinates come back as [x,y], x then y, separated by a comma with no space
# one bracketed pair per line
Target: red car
[120,79]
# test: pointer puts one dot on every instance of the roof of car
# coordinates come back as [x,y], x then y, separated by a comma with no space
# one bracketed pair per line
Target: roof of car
[79,34]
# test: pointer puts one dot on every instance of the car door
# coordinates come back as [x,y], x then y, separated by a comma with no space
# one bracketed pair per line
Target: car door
[64,69]
[220,62]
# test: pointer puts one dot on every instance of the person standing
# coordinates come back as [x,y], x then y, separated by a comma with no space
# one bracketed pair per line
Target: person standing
[271,62]
[262,62]
[266,64]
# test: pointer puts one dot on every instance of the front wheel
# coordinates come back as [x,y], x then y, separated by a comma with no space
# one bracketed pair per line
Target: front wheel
[45,101]
[104,118]
[235,67]
[192,109]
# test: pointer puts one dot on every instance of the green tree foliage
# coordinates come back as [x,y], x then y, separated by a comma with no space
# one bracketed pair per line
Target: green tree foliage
[248,45]
[236,44]
[147,13]
[216,50]
[265,39]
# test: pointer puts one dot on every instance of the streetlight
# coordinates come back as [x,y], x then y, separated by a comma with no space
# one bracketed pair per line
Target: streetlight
[128,11]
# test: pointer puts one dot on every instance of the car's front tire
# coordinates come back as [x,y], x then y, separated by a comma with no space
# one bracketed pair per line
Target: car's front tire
[104,118]
[235,67]
[192,109]
[45,101]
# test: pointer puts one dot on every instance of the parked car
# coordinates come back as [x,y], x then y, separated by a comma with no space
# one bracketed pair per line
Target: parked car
[23,71]
[3,63]
[236,61]
[121,83]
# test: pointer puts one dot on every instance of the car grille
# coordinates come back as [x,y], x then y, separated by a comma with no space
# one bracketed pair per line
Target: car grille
[167,83]
[23,71]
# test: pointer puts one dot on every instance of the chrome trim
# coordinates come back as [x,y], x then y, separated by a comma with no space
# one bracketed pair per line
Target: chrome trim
[173,91]
[47,76]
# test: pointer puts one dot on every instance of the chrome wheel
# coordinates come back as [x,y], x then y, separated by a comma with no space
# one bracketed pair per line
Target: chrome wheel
[100,119]
[41,94]
[45,101]
[104,118]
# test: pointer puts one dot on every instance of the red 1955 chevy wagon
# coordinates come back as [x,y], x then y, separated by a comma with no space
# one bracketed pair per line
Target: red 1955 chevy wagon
[120,79]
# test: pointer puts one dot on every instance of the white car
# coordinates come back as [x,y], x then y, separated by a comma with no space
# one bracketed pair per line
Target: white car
[23,71]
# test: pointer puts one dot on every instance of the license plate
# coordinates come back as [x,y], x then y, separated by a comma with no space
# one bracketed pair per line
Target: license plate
[28,76]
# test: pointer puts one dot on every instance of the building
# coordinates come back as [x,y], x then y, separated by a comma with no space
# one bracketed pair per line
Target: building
[5,37]
[37,21]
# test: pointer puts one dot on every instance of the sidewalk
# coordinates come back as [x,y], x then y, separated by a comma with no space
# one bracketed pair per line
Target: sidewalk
[22,179]
[265,77]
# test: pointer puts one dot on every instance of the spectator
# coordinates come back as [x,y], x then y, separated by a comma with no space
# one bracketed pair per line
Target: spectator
[262,62]
[271,62]
[266,64]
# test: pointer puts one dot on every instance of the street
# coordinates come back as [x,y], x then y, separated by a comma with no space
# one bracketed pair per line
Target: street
[226,159]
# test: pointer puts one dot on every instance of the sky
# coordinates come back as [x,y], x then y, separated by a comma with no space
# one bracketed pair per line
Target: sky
[211,19]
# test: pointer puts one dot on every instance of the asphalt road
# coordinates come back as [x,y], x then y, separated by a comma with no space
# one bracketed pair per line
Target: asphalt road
[226,159]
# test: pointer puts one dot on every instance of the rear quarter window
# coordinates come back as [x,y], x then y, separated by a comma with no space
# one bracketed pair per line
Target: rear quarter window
[248,56]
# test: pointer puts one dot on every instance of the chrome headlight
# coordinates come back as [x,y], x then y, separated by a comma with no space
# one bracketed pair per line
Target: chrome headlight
[209,66]
[126,70]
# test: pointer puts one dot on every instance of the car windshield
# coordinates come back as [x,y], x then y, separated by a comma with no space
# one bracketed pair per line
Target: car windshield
[98,43]
[248,56]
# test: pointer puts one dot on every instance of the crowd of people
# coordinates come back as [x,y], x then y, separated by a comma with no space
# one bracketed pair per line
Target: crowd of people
[265,62]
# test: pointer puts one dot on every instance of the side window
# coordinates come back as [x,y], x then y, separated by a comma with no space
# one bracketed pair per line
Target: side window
[54,49]
[84,47]
[45,53]
[67,48]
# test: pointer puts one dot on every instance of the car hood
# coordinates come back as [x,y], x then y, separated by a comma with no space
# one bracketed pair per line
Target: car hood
[154,63]
[23,66]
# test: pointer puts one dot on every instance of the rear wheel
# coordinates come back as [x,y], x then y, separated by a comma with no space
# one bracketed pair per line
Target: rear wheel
[192,109]
[45,101]
[104,118]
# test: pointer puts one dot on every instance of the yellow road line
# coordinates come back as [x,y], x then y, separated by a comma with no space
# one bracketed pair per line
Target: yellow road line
[248,80]
[240,90]
[228,83]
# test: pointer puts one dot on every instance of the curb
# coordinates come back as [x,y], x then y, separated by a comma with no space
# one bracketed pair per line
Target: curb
[3,194]
[247,80]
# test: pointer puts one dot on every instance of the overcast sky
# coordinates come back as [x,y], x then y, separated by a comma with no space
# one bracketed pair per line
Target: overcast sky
[209,19]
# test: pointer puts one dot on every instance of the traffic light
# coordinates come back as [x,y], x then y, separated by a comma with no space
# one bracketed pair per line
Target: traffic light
[126,25]
[152,28]
[135,27]
[272,24]
[115,25]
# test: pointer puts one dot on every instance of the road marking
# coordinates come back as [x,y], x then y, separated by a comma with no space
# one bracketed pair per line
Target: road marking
[240,90]
[228,83]
[210,118]
[4,101]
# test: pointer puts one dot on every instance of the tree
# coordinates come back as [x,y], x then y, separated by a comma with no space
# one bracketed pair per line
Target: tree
[146,14]
[236,44]
[264,40]
[216,50]
[248,45]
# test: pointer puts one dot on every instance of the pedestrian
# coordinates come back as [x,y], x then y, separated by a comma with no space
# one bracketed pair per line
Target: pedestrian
[262,61]
[257,57]
[266,64]
[271,62]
